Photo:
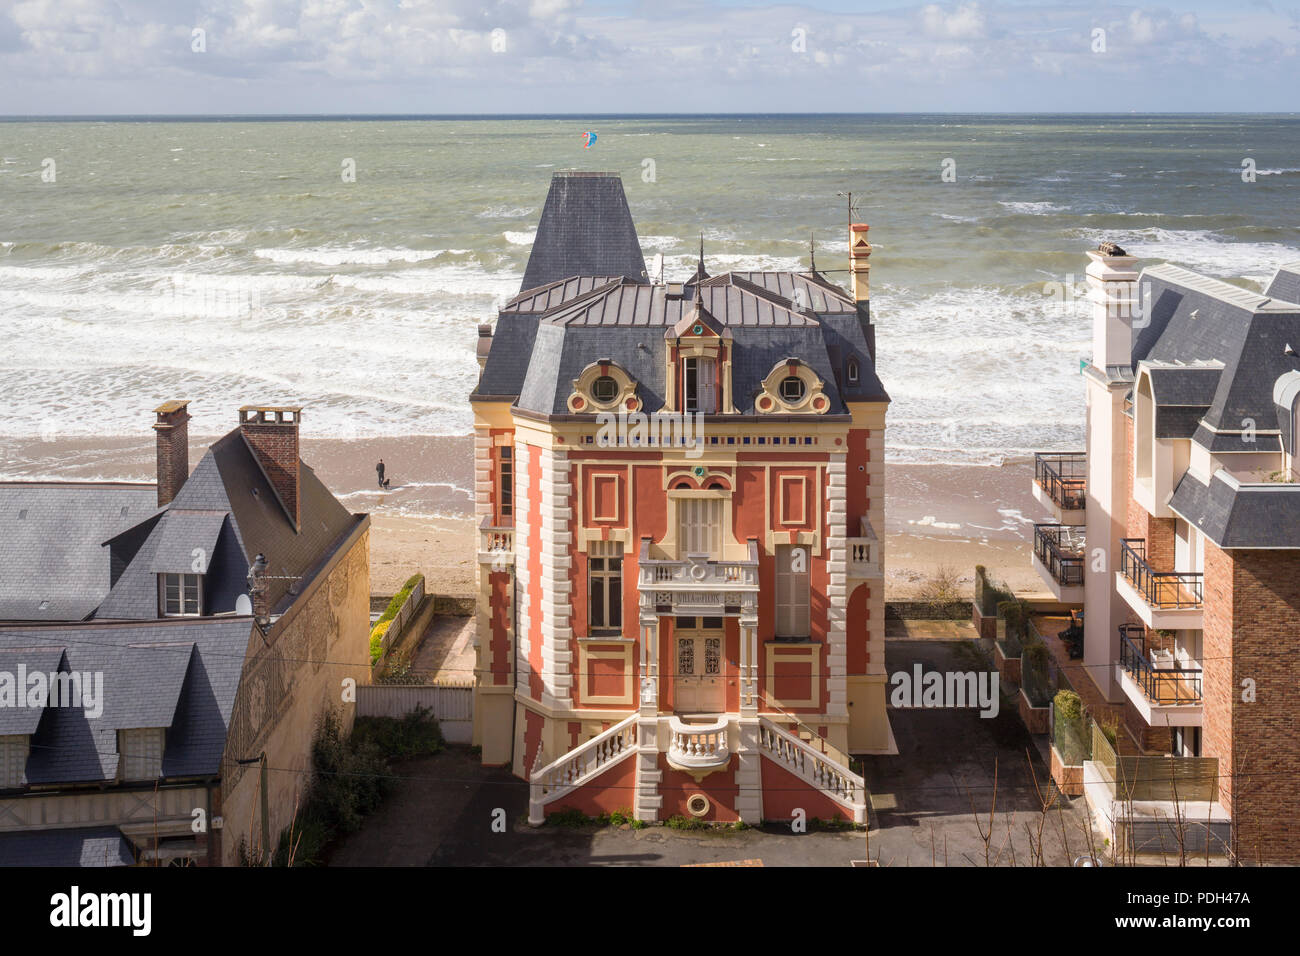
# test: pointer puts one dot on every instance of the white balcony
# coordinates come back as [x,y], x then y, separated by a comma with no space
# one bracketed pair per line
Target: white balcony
[496,546]
[1058,558]
[1164,691]
[1061,485]
[696,747]
[864,554]
[698,585]
[1165,600]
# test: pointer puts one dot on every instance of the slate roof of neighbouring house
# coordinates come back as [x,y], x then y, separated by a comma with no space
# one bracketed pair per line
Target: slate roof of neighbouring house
[585,230]
[1285,284]
[53,566]
[228,510]
[1237,515]
[1215,353]
[1195,319]
[77,846]
[181,674]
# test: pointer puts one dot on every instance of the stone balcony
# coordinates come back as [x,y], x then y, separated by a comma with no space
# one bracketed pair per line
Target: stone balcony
[864,554]
[698,585]
[695,747]
[496,545]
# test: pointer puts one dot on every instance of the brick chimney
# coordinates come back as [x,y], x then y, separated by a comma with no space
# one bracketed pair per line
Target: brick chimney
[272,434]
[173,443]
[859,260]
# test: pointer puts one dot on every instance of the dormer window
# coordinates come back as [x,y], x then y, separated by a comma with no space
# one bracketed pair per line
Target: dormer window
[180,595]
[699,385]
[604,386]
[13,760]
[605,389]
[140,753]
[792,389]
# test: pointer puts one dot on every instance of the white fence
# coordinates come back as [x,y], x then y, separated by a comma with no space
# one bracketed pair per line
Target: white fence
[452,706]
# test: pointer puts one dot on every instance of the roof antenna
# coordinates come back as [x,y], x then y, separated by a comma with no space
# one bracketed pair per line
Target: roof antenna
[812,252]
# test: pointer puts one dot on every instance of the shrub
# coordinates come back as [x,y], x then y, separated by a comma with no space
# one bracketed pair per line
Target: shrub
[1068,705]
[413,735]
[349,779]
[679,822]
[621,816]
[942,587]
[381,626]
[567,817]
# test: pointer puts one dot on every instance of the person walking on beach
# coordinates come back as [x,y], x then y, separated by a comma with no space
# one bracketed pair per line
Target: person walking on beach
[379,469]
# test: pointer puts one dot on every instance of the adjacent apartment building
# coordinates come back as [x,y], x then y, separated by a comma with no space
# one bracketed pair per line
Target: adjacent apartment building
[1179,530]
[679,486]
[187,634]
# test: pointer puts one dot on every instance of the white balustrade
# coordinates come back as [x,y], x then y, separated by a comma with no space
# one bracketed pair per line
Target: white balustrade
[552,781]
[698,745]
[832,778]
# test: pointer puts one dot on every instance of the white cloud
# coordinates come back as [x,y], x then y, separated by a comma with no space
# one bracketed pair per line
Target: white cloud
[966,22]
[335,55]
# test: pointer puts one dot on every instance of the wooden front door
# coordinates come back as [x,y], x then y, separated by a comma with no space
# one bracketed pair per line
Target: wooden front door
[698,686]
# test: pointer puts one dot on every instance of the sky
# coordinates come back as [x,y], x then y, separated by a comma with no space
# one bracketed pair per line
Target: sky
[116,57]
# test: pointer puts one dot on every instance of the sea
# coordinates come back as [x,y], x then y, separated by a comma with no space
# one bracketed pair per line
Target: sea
[345,263]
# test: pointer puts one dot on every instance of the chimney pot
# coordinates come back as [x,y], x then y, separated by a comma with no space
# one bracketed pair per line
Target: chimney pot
[172,441]
[272,433]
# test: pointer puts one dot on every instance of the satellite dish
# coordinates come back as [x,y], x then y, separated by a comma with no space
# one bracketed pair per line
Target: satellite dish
[244,606]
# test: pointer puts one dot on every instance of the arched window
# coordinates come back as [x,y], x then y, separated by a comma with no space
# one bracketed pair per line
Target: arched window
[853,371]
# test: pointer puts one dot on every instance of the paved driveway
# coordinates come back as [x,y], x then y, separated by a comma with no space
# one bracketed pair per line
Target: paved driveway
[953,765]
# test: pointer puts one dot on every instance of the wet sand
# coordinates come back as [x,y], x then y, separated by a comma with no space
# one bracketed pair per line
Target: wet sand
[937,515]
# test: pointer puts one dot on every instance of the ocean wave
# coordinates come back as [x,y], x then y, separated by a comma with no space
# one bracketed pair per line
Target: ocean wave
[1201,250]
[520,238]
[1032,208]
[507,212]
[347,257]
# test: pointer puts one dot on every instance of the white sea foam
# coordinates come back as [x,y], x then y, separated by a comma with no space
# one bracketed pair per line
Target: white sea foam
[1032,208]
[342,257]
[1201,250]
[507,212]
[520,238]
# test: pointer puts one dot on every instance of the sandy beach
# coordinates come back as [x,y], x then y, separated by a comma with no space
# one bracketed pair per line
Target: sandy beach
[938,515]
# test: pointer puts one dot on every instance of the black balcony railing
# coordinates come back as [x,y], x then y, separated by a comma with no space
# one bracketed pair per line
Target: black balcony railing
[1060,549]
[1176,684]
[1064,477]
[1164,590]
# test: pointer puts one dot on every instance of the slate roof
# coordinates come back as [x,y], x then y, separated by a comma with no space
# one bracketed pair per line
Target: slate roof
[78,846]
[1237,515]
[17,718]
[1215,353]
[585,230]
[1285,283]
[52,563]
[1195,319]
[106,545]
[181,674]
[228,508]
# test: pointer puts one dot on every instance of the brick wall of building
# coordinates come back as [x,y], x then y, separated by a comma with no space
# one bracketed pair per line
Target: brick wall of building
[1251,617]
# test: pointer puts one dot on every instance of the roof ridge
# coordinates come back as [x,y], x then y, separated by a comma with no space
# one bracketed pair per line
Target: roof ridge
[1219,289]
[753,288]
[557,315]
